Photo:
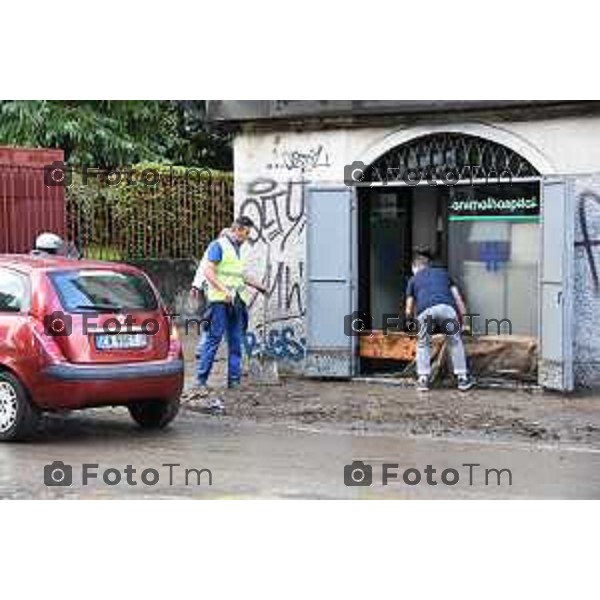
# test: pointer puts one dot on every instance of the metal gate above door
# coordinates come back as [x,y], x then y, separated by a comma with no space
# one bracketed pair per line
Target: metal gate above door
[457,155]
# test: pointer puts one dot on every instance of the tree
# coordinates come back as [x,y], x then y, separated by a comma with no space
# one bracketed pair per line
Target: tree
[107,133]
[197,140]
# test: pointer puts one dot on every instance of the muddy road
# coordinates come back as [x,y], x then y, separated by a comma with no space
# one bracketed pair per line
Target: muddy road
[482,414]
[232,457]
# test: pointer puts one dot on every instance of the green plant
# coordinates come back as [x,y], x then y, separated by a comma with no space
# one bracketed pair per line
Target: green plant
[130,220]
[104,133]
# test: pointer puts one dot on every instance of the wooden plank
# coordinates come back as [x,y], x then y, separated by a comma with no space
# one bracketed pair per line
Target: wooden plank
[396,346]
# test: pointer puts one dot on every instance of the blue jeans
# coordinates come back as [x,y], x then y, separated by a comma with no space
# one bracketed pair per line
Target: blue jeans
[229,319]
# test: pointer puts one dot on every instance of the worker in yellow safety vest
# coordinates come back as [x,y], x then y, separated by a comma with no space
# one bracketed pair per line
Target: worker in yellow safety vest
[225,282]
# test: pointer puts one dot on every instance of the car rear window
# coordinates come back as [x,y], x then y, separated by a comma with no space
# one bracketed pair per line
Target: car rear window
[103,290]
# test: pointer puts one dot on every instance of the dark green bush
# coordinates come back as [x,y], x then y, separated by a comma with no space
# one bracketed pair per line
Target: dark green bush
[147,211]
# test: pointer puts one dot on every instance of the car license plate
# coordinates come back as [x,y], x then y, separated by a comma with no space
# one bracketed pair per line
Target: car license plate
[121,341]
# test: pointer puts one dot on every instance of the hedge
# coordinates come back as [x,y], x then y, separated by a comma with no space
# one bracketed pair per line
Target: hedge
[147,211]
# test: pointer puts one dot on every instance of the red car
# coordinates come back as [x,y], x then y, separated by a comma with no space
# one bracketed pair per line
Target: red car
[79,333]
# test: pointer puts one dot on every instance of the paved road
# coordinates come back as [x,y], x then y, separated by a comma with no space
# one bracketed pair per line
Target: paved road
[279,460]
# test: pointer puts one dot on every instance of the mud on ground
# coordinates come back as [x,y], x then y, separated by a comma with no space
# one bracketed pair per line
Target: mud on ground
[505,414]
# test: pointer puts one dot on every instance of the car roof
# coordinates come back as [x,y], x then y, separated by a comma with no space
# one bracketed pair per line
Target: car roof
[30,262]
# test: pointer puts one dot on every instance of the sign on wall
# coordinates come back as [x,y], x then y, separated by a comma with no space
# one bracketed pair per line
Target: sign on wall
[494,202]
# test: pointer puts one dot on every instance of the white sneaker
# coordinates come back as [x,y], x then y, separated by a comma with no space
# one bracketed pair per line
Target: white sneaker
[423,383]
[465,383]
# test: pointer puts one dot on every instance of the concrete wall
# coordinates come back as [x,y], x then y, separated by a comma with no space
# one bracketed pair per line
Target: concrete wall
[587,284]
[173,279]
[272,193]
[272,171]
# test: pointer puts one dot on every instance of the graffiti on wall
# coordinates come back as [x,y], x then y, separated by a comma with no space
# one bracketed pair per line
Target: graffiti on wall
[584,201]
[278,211]
[280,342]
[300,159]
[284,288]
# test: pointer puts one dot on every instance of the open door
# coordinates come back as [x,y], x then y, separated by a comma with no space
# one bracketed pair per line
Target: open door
[556,297]
[330,260]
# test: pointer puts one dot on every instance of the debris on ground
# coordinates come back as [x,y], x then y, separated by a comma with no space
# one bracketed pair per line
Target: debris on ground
[522,413]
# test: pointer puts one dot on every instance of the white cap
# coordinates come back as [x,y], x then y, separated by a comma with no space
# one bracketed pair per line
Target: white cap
[48,242]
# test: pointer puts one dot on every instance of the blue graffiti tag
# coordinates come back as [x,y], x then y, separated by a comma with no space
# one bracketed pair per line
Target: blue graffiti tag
[279,344]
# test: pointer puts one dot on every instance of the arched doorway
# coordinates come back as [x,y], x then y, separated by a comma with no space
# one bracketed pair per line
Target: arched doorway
[470,201]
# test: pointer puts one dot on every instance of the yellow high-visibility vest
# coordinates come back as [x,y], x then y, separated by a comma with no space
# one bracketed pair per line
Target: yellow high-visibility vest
[230,272]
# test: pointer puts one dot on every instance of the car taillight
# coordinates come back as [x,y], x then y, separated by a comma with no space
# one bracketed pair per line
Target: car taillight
[175,347]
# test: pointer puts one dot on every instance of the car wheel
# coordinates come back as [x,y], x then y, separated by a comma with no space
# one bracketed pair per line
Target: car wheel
[17,416]
[154,414]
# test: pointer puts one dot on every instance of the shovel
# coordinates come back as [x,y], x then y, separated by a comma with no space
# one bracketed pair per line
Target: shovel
[264,369]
